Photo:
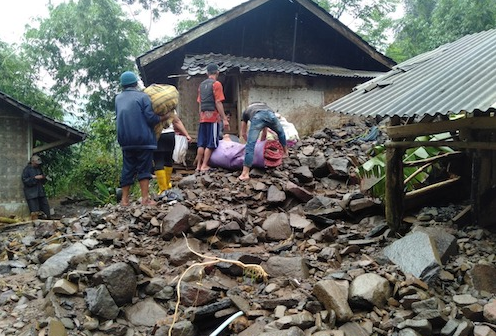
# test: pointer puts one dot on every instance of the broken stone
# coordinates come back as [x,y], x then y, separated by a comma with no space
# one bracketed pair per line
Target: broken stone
[120,281]
[424,264]
[145,313]
[369,290]
[65,287]
[292,267]
[176,222]
[100,302]
[57,264]
[274,195]
[277,226]
[334,296]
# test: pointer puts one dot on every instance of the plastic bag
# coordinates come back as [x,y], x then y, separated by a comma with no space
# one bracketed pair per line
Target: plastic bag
[180,149]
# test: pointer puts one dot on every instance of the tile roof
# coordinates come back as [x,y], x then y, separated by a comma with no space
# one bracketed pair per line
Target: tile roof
[196,64]
[455,77]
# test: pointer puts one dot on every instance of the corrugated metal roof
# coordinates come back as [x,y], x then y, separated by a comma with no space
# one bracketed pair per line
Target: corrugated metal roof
[197,64]
[458,76]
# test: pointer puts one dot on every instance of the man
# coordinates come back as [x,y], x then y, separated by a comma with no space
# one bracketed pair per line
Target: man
[210,98]
[135,122]
[33,180]
[260,116]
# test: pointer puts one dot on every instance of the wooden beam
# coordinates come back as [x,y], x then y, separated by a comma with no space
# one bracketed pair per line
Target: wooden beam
[418,129]
[425,190]
[49,145]
[452,144]
[445,156]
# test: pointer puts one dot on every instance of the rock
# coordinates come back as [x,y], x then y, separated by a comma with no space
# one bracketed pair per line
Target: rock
[181,328]
[369,290]
[482,277]
[178,252]
[63,286]
[293,331]
[353,328]
[445,243]
[334,296]
[57,264]
[56,328]
[145,313]
[274,195]
[423,327]
[298,222]
[176,222]
[120,281]
[424,264]
[194,295]
[300,193]
[338,167]
[302,320]
[290,267]
[277,226]
[100,302]
[490,312]
[473,312]
[464,299]
[303,174]
[483,330]
[408,332]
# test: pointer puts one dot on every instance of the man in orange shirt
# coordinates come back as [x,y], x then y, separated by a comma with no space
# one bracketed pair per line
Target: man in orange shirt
[210,98]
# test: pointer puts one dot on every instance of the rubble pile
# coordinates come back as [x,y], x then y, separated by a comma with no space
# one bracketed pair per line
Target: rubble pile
[333,266]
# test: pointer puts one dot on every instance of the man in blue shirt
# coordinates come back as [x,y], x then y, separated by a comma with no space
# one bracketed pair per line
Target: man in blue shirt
[135,123]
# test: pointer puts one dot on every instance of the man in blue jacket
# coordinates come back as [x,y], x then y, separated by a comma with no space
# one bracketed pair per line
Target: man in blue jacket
[135,123]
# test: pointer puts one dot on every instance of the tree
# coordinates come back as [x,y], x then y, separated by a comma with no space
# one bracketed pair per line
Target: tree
[427,24]
[201,11]
[18,80]
[85,45]
[373,20]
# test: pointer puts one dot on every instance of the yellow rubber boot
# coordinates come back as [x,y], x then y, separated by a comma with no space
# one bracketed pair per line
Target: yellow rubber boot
[161,180]
[168,175]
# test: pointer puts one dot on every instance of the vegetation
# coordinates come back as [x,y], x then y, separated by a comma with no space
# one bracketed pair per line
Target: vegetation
[84,45]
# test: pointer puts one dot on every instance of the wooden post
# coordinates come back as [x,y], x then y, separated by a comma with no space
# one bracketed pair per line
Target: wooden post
[394,188]
[394,183]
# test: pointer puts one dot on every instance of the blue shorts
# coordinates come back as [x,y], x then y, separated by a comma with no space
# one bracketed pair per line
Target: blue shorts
[136,164]
[208,135]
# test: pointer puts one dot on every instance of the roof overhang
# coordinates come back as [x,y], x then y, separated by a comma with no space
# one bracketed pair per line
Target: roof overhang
[49,132]
[207,26]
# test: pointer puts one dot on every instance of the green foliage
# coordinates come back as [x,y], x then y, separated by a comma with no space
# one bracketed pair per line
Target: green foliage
[100,195]
[427,24]
[375,167]
[201,11]
[155,7]
[374,21]
[19,79]
[85,45]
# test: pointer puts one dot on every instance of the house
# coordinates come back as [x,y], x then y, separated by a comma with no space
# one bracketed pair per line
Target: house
[24,132]
[291,54]
[419,96]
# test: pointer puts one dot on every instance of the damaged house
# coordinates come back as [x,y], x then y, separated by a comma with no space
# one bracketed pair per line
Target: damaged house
[24,132]
[442,98]
[291,54]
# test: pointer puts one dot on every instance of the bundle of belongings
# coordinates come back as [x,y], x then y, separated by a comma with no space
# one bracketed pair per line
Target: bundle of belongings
[230,155]
[164,102]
